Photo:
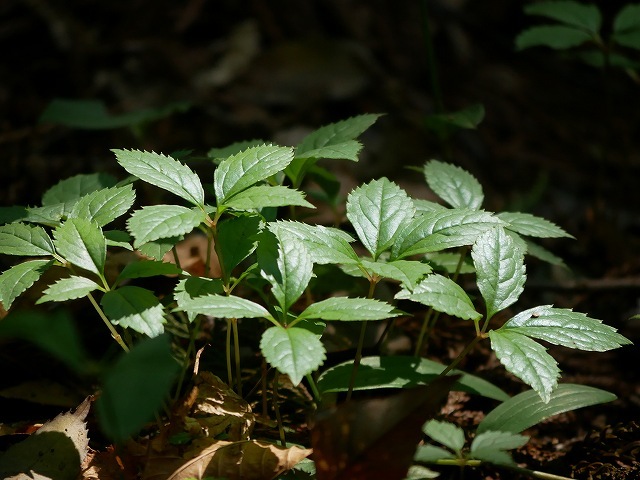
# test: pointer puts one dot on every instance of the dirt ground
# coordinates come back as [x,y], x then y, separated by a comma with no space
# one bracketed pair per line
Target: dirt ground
[560,139]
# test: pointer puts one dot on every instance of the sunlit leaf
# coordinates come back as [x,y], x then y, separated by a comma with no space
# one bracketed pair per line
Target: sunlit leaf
[17,279]
[163,172]
[136,308]
[349,309]
[25,240]
[408,272]
[445,433]
[105,205]
[262,196]
[82,243]
[68,289]
[163,221]
[454,185]
[293,351]
[222,306]
[490,446]
[530,225]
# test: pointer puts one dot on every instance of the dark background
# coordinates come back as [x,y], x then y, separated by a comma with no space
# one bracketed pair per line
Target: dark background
[560,139]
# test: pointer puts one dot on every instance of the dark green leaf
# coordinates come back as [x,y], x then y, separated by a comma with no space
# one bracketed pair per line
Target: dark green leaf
[148,268]
[490,446]
[557,37]
[448,434]
[70,190]
[570,12]
[626,26]
[237,239]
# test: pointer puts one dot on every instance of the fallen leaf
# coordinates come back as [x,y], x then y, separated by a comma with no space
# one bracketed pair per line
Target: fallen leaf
[375,438]
[246,460]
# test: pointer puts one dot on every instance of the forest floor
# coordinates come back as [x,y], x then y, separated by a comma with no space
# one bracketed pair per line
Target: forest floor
[559,139]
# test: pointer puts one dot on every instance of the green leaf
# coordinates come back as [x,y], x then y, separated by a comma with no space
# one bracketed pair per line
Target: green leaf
[293,351]
[324,244]
[500,269]
[25,240]
[490,446]
[104,206]
[562,326]
[570,12]
[378,210]
[530,225]
[419,472]
[219,154]
[192,287]
[454,185]
[156,249]
[294,269]
[52,331]
[543,254]
[467,118]
[163,221]
[241,171]
[626,26]
[93,115]
[527,360]
[222,306]
[262,196]
[82,243]
[440,230]
[527,408]
[323,142]
[426,206]
[68,288]
[136,387]
[237,239]
[430,454]
[17,279]
[400,372]
[70,190]
[118,238]
[444,295]
[50,215]
[448,262]
[163,172]
[148,268]
[446,433]
[349,309]
[136,308]
[408,272]
[557,37]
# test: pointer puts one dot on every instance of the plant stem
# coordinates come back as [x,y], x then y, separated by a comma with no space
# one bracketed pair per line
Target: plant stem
[236,351]
[176,258]
[363,330]
[228,353]
[116,336]
[423,331]
[314,388]
[462,354]
[283,441]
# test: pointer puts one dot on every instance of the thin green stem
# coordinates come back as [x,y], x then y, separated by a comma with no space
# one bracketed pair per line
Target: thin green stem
[423,331]
[176,258]
[116,336]
[276,408]
[363,330]
[228,353]
[461,355]
[314,388]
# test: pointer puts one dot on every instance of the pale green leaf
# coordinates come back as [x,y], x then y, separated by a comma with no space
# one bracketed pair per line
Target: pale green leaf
[334,134]
[500,269]
[191,287]
[219,154]
[378,210]
[426,206]
[349,309]
[237,239]
[568,12]
[530,225]
[419,472]
[490,446]
[439,230]
[527,360]
[17,279]
[430,454]
[105,205]
[163,172]
[148,268]
[68,288]
[445,433]
[347,150]
[408,272]
[163,221]
[241,171]
[70,190]
[261,196]
[25,240]
[156,249]
[454,185]
[82,243]
[444,295]
[557,37]
[324,244]
[136,308]
[293,351]
[222,306]
[401,372]
[527,408]
[468,118]
[294,269]
[562,326]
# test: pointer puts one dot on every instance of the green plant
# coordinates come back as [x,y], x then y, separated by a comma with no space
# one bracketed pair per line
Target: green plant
[266,264]
[580,25]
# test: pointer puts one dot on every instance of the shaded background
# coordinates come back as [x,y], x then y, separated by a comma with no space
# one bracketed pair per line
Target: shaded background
[555,141]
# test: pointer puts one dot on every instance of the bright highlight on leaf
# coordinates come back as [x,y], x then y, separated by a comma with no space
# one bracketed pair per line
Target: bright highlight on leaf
[104,206]
[82,243]
[68,289]
[163,221]
[349,309]
[136,308]
[25,240]
[454,185]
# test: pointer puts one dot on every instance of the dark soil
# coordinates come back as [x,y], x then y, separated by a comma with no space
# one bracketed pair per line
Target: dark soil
[560,139]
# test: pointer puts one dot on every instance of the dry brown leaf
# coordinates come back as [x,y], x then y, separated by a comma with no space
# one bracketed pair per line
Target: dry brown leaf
[218,408]
[246,460]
